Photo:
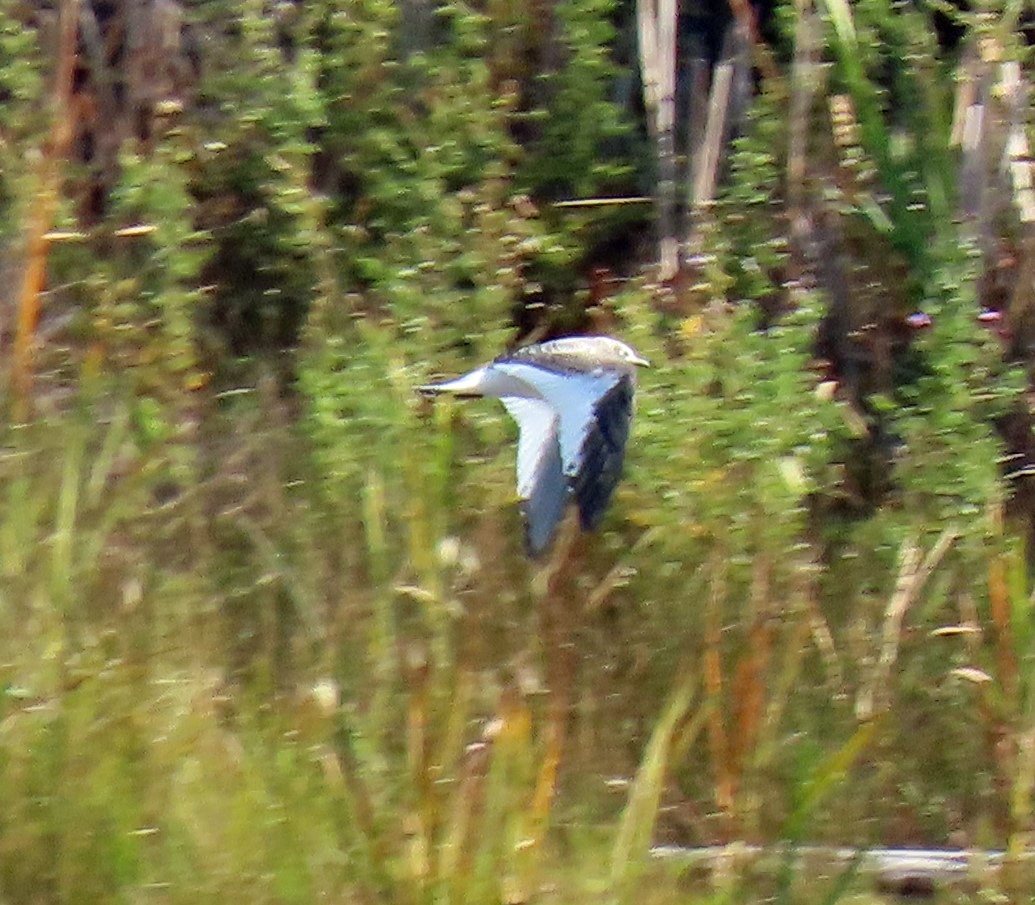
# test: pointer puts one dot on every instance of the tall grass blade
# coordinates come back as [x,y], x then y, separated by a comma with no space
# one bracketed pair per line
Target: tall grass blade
[876,138]
[64,539]
[724,777]
[636,826]
[829,773]
[1002,624]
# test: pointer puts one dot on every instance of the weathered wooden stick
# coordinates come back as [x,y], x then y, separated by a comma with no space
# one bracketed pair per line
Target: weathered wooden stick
[656,29]
[603,202]
[892,869]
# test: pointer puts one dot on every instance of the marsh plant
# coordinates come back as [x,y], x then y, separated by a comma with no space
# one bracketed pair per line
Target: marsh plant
[268,632]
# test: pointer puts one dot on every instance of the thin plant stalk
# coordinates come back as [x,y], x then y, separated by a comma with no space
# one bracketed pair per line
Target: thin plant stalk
[718,743]
[44,209]
[637,823]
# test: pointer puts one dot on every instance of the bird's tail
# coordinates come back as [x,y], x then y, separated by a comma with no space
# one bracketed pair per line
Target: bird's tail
[496,382]
[470,385]
[433,389]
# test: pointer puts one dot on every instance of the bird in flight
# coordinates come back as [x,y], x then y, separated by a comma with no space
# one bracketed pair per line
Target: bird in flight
[572,399]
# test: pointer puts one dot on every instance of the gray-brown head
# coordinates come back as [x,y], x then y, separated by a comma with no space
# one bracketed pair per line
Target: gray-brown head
[582,353]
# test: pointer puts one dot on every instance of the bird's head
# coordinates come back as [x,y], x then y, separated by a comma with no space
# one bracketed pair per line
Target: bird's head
[626,353]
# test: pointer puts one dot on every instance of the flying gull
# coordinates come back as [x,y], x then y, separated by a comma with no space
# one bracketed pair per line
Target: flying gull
[572,399]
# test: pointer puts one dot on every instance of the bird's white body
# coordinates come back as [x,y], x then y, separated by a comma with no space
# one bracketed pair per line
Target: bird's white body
[572,399]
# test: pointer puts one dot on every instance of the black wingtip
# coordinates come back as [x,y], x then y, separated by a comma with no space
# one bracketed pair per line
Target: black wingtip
[603,453]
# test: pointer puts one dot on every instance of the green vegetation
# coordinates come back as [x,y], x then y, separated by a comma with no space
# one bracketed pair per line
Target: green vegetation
[267,630]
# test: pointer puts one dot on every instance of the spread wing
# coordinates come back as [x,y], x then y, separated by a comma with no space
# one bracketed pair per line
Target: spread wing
[541,482]
[573,422]
[573,395]
[603,453]
[594,411]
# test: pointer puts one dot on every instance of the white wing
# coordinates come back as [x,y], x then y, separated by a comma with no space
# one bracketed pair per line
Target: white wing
[573,396]
[537,426]
[541,482]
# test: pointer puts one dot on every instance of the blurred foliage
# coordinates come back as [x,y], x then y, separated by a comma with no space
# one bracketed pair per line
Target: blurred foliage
[267,631]
[21,116]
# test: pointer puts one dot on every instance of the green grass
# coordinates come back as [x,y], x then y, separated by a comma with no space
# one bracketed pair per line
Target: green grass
[279,642]
[242,688]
